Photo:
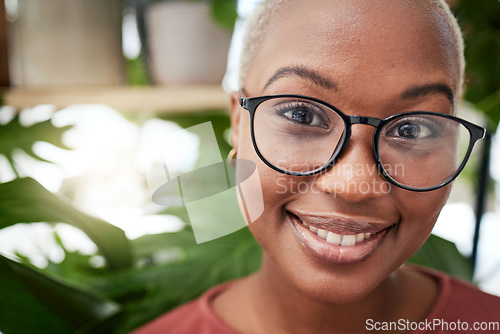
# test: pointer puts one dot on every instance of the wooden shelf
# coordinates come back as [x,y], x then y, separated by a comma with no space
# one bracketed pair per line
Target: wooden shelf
[125,98]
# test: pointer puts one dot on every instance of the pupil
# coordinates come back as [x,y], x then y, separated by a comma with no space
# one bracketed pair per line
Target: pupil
[302,116]
[409,130]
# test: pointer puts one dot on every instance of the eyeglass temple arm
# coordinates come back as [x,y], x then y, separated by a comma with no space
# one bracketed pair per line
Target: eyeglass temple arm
[243,99]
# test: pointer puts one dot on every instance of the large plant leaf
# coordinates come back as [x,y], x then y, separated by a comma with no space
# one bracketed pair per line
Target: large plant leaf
[14,136]
[21,311]
[32,301]
[175,270]
[443,255]
[25,201]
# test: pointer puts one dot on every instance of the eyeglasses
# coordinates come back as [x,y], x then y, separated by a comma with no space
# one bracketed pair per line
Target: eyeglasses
[301,136]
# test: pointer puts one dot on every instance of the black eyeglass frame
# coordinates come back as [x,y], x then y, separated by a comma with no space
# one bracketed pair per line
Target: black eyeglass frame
[252,103]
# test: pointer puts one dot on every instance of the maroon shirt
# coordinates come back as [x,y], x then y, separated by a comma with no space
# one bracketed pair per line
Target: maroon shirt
[457,301]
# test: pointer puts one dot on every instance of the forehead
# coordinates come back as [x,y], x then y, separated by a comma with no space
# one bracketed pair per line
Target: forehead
[361,38]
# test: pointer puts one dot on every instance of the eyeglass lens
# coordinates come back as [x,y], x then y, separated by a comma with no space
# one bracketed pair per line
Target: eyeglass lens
[301,136]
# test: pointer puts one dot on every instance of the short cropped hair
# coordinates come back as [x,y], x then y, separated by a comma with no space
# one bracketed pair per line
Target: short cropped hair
[267,9]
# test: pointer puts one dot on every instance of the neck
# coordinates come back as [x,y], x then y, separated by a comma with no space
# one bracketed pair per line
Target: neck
[277,305]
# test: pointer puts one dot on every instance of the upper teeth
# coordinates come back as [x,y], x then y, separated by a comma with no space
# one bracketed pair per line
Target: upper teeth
[338,239]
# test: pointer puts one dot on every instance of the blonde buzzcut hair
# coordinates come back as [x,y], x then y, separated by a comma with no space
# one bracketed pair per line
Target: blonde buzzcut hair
[259,20]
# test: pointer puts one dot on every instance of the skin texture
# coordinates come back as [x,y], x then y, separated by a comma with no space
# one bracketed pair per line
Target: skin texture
[371,52]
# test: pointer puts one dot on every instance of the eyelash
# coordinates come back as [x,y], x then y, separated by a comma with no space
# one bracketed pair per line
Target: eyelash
[285,107]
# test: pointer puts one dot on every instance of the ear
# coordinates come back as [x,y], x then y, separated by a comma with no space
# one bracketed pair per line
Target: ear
[235,114]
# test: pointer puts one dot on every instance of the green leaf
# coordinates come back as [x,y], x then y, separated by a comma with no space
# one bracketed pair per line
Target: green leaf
[14,136]
[157,287]
[21,311]
[224,13]
[32,301]
[442,255]
[480,21]
[25,201]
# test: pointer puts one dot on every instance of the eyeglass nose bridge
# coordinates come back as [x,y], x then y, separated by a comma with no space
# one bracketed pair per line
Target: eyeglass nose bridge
[373,121]
[365,120]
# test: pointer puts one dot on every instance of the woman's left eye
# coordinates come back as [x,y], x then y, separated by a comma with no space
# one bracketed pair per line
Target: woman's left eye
[414,129]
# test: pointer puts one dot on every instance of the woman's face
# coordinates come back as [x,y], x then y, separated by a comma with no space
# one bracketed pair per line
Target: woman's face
[363,57]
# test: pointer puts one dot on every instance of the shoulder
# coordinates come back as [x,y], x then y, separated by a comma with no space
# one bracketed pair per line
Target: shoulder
[195,317]
[460,300]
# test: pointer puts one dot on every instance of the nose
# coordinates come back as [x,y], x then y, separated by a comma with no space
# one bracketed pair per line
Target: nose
[355,175]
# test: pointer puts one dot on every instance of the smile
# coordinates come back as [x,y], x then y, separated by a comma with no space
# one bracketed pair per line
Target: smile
[338,241]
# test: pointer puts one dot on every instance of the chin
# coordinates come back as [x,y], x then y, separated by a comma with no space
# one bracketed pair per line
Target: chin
[330,286]
[315,271]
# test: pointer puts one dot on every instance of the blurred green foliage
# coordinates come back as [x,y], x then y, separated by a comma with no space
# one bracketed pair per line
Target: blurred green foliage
[142,278]
[224,13]
[47,302]
[25,200]
[14,137]
[137,72]
[480,22]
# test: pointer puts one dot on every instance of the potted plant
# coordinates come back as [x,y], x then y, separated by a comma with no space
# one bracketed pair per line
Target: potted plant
[188,41]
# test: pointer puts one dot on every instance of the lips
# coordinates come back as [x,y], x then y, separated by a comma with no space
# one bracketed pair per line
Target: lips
[338,240]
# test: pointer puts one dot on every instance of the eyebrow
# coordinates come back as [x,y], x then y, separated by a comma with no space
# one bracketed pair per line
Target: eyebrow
[429,89]
[411,93]
[303,72]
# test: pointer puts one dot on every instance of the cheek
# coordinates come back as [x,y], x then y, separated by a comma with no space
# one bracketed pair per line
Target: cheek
[419,214]
[269,226]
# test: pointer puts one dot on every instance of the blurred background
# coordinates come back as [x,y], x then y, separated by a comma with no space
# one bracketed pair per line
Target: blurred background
[91,92]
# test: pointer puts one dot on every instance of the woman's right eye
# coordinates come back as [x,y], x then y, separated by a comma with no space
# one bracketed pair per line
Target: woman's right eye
[303,114]
[415,128]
